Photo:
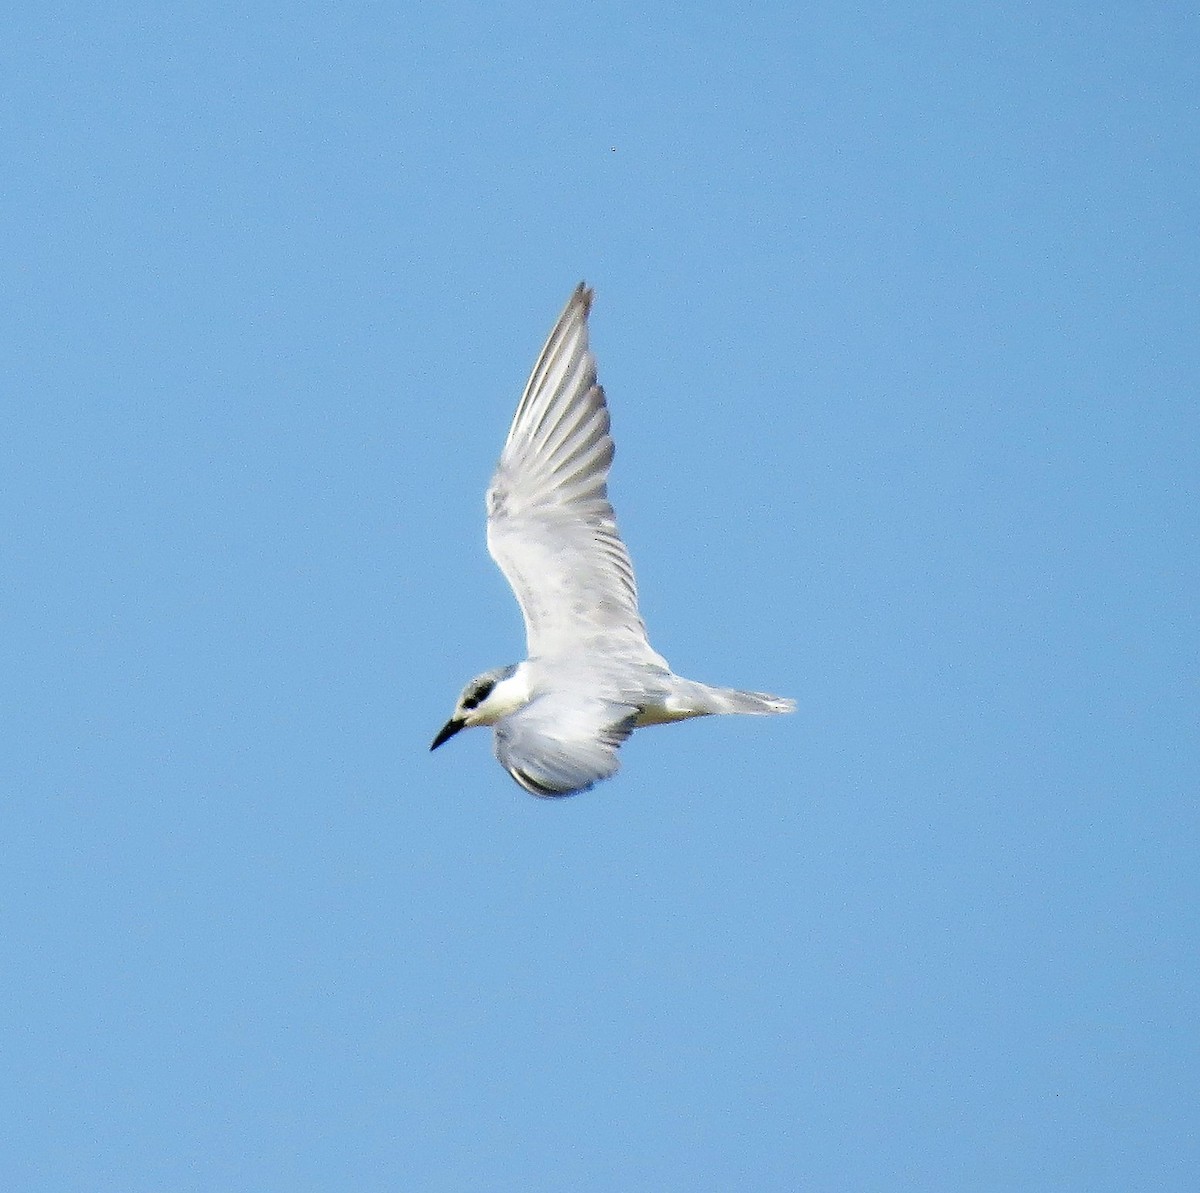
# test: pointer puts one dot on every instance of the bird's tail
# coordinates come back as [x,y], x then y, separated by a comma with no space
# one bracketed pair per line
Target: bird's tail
[731,700]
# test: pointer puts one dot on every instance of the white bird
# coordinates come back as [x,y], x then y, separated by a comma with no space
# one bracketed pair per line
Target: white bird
[591,677]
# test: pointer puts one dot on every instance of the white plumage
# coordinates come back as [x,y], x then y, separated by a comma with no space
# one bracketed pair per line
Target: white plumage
[591,676]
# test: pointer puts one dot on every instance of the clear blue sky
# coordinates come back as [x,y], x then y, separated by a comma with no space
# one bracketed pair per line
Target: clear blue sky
[897,313]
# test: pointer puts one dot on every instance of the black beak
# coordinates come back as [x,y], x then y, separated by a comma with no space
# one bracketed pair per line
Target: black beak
[447,731]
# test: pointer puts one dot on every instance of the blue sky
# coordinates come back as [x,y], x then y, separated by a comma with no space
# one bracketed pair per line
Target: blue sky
[897,314]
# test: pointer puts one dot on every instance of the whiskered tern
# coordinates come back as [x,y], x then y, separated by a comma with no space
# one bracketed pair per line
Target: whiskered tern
[591,677]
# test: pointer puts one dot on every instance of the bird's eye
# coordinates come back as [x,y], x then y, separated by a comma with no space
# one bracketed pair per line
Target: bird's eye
[480,694]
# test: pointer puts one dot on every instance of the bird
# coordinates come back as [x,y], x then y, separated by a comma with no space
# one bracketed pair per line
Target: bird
[591,677]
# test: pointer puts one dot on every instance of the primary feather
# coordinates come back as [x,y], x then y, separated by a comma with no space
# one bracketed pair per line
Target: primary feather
[551,528]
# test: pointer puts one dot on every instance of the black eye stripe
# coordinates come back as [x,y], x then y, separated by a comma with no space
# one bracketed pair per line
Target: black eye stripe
[479,695]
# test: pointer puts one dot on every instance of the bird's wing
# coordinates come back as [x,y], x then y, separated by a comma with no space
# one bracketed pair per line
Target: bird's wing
[559,743]
[550,525]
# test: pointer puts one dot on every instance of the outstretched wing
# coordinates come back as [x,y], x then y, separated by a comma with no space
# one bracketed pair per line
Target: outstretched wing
[560,744]
[550,525]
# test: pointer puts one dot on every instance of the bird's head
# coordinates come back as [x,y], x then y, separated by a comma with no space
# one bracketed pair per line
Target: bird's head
[486,699]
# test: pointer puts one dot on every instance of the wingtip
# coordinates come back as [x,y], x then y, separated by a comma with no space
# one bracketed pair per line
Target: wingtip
[584,295]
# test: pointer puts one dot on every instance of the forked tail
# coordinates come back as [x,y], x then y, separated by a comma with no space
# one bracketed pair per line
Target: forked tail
[706,700]
[755,704]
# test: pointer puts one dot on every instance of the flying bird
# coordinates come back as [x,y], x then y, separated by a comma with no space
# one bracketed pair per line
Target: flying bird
[591,677]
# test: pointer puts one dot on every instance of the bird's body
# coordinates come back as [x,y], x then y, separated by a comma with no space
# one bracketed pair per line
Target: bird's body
[591,677]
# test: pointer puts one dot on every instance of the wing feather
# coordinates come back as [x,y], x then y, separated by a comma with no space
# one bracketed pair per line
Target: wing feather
[559,744]
[551,527]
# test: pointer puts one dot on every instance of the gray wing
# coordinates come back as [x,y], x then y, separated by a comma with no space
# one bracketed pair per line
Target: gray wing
[559,743]
[550,525]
